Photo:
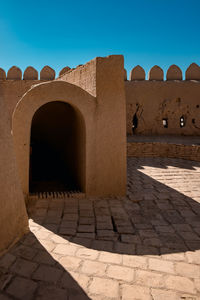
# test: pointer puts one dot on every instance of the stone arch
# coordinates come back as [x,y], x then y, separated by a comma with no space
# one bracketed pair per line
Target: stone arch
[57,91]
[2,74]
[47,73]
[174,73]
[14,73]
[137,73]
[156,73]
[64,70]
[192,72]
[30,74]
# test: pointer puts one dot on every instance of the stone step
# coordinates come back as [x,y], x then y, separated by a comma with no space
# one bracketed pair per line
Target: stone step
[56,195]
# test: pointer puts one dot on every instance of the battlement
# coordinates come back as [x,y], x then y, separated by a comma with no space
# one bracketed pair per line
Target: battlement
[155,97]
[157,74]
[30,73]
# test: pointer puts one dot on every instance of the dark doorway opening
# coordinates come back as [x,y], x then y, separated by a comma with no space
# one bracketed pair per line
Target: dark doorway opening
[57,149]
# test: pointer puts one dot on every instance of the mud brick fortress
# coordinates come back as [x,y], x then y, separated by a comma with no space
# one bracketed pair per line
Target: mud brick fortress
[70,133]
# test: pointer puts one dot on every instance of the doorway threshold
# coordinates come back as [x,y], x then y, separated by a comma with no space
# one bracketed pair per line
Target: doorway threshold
[56,195]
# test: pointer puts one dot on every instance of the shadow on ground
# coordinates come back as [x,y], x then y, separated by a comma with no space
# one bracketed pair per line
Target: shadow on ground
[28,271]
[160,215]
[154,218]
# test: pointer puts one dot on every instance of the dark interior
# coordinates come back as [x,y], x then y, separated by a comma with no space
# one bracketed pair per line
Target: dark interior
[57,149]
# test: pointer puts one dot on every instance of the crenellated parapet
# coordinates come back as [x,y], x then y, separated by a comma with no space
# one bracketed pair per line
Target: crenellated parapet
[163,104]
[173,73]
[2,74]
[156,73]
[64,70]
[14,73]
[137,73]
[47,73]
[192,72]
[30,73]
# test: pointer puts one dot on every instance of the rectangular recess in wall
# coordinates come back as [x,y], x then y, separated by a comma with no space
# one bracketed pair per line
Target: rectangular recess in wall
[165,122]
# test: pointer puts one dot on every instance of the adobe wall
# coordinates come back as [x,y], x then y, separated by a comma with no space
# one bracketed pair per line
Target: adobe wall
[14,84]
[103,77]
[161,149]
[103,80]
[111,123]
[83,76]
[13,217]
[154,99]
[39,95]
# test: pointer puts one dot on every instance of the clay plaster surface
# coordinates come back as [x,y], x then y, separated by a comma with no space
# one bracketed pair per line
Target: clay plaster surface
[26,108]
[13,219]
[154,101]
[104,117]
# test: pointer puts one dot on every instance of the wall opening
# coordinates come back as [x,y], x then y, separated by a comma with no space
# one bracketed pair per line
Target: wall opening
[165,123]
[134,123]
[57,149]
[182,121]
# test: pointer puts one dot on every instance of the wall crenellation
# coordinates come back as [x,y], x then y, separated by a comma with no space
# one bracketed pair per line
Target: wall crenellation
[137,73]
[156,73]
[30,73]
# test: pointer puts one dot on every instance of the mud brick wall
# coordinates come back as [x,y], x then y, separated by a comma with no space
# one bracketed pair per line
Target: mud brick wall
[191,152]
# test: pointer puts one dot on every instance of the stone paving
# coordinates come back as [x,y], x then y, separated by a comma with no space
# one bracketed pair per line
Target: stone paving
[143,246]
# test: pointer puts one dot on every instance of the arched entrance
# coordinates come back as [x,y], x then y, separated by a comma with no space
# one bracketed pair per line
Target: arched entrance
[80,109]
[57,144]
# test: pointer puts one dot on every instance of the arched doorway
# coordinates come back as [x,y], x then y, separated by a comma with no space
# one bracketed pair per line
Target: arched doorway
[83,107]
[57,149]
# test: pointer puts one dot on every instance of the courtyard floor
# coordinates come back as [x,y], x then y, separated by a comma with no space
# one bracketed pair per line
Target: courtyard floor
[143,246]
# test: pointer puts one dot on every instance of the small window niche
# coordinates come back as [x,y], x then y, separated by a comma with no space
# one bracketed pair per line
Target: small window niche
[182,121]
[165,122]
[134,123]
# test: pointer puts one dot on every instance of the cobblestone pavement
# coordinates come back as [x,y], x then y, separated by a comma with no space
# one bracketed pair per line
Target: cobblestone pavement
[144,246]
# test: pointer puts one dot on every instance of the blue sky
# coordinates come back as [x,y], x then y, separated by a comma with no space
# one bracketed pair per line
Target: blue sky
[68,33]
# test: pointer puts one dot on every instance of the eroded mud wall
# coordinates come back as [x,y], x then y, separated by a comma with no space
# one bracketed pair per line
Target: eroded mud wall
[13,217]
[156,106]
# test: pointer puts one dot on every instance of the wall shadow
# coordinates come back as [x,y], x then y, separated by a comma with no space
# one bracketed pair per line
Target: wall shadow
[153,219]
[28,271]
